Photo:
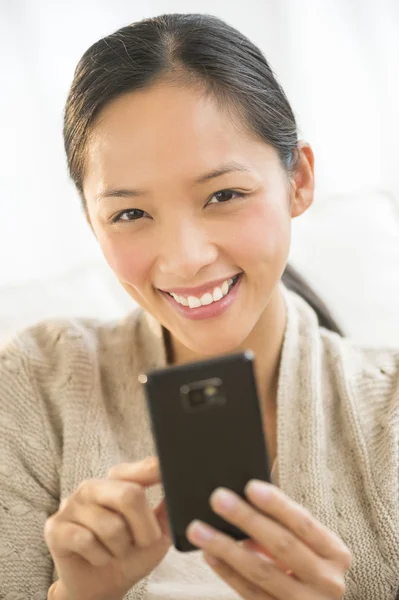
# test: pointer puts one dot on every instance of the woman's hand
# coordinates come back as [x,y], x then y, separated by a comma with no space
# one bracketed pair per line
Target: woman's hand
[289,553]
[104,538]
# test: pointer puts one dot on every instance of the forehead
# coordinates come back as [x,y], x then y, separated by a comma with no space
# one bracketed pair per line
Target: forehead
[166,132]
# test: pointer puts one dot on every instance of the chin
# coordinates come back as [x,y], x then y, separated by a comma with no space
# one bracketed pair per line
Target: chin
[217,344]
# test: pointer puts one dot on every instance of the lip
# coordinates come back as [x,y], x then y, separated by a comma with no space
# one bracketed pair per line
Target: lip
[210,310]
[198,291]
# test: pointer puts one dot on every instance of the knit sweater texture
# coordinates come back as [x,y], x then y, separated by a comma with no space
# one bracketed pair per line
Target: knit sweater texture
[71,406]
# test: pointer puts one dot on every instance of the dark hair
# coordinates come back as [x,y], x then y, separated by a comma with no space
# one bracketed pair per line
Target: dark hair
[196,49]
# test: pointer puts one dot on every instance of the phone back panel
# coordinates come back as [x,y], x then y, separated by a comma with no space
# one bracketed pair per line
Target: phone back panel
[221,445]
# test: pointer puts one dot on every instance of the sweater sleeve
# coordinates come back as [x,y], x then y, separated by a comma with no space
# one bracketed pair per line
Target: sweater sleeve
[28,478]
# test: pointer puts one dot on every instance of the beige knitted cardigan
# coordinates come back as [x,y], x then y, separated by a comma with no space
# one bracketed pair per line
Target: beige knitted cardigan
[71,406]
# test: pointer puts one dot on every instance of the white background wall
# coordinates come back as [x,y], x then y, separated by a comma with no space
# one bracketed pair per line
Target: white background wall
[336,59]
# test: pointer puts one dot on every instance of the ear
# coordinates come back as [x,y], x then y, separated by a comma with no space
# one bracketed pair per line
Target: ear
[302,186]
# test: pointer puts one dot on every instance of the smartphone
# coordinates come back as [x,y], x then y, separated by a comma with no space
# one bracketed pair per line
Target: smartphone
[207,427]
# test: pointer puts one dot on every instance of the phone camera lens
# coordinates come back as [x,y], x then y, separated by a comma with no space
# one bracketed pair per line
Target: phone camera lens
[196,398]
[201,394]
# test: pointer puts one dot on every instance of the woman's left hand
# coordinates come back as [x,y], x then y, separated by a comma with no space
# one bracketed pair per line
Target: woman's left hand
[289,554]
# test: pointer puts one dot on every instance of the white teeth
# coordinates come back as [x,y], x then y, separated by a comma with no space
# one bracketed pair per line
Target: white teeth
[207,298]
[193,302]
[180,299]
[217,294]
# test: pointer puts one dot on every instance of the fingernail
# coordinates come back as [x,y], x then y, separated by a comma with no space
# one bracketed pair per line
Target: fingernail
[223,499]
[259,489]
[200,532]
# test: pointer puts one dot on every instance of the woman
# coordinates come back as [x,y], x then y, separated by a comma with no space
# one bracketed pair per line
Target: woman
[184,150]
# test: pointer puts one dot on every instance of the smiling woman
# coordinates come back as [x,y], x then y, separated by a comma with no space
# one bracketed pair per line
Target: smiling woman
[184,150]
[217,207]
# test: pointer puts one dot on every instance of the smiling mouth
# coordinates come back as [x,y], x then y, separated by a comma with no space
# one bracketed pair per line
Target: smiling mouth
[210,297]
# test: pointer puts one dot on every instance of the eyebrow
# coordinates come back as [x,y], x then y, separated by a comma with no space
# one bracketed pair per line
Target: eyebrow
[218,172]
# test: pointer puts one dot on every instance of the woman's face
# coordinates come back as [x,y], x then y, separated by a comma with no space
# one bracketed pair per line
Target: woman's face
[179,198]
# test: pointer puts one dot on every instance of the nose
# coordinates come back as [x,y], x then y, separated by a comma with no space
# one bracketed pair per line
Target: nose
[185,250]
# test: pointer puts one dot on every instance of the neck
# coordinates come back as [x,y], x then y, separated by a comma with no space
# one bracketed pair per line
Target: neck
[265,340]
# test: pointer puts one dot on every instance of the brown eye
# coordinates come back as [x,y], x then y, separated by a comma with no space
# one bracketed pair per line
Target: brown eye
[128,215]
[224,196]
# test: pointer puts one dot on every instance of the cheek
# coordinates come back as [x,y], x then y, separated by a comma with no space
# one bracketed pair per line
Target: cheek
[263,233]
[128,258]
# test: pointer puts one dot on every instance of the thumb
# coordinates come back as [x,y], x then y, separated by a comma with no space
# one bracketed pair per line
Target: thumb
[145,472]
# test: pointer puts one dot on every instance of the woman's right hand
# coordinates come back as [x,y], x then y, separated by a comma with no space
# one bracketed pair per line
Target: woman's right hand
[105,538]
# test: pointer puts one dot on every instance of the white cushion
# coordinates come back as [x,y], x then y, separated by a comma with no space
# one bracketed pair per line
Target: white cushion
[348,248]
[88,291]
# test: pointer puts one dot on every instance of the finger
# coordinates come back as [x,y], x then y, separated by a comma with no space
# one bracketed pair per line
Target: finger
[129,500]
[272,501]
[249,565]
[107,525]
[255,547]
[278,541]
[161,514]
[65,539]
[242,586]
[145,472]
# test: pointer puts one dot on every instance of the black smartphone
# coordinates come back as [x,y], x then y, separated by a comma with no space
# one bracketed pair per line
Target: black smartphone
[207,427]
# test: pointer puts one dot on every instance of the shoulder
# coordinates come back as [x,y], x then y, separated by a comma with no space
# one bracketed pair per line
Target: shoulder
[51,352]
[366,380]
[366,371]
[366,388]
[48,347]
[369,375]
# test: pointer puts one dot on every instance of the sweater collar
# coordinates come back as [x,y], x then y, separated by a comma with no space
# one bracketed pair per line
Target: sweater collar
[300,358]
[299,399]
